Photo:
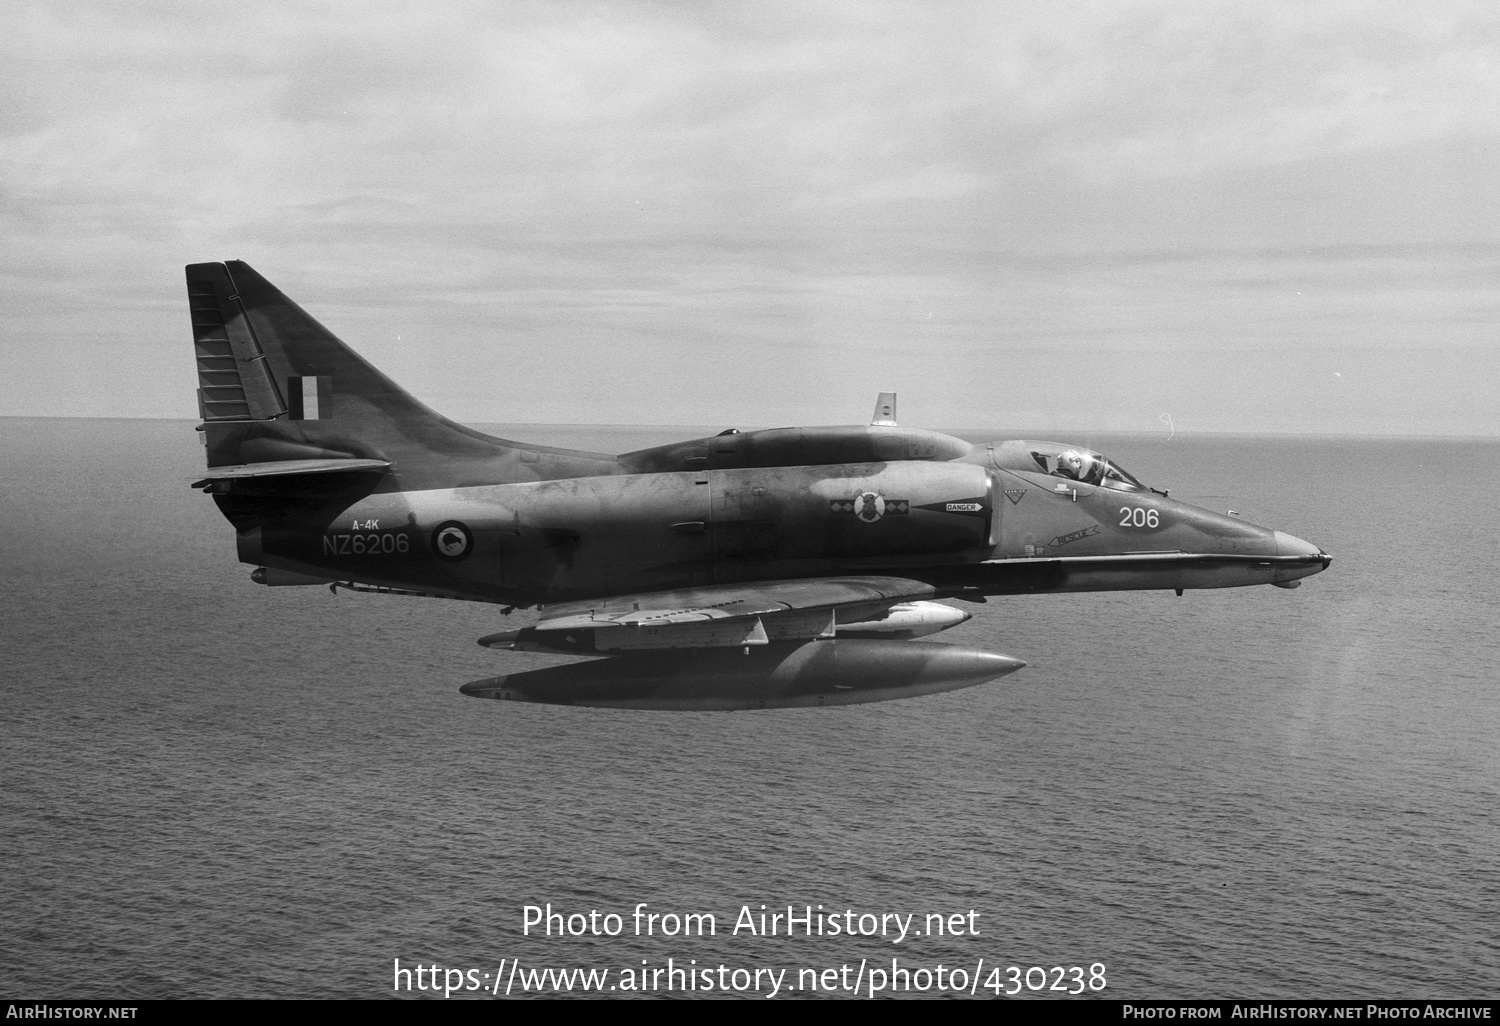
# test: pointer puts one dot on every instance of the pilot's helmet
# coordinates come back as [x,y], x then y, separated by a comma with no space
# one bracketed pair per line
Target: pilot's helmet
[1072,464]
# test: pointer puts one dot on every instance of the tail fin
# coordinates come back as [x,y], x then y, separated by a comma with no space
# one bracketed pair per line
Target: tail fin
[261,358]
[275,386]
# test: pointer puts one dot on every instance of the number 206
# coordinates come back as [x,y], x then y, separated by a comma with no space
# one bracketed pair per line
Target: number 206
[1135,516]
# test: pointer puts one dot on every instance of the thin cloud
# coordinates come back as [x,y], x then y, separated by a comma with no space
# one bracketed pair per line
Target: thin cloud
[848,185]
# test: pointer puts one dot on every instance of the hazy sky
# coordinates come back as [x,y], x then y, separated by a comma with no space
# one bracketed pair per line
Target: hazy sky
[1244,216]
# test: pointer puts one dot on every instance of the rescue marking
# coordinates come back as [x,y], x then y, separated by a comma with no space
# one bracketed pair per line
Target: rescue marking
[1014,495]
[1073,536]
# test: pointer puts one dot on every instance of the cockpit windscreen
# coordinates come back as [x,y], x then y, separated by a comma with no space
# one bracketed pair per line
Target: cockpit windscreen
[1084,465]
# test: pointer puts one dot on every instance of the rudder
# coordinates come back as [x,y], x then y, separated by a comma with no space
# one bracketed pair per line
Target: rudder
[234,381]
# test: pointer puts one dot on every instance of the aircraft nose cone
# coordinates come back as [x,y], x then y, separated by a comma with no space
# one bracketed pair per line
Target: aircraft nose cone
[1291,545]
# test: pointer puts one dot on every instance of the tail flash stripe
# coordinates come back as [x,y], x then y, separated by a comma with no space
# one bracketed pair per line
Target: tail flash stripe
[310,397]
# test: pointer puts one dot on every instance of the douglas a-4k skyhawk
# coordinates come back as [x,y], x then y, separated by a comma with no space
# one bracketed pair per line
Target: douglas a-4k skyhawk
[754,569]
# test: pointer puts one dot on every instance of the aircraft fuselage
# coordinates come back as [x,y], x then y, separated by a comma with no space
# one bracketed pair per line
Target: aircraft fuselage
[959,524]
[757,569]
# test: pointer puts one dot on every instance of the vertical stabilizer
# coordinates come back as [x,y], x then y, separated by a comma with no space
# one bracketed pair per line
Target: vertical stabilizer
[262,357]
[275,386]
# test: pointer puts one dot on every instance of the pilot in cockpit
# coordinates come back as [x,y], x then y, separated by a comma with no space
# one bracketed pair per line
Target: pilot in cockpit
[1073,464]
[1082,465]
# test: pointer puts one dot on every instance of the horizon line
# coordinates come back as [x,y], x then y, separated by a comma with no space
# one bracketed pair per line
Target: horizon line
[957,431]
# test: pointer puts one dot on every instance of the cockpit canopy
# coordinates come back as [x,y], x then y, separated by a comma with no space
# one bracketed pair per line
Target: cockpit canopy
[1069,462]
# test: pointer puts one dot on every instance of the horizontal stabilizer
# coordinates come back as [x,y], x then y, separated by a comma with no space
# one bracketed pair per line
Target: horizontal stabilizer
[284,468]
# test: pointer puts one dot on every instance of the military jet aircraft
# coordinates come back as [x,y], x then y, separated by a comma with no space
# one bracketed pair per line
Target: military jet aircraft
[751,569]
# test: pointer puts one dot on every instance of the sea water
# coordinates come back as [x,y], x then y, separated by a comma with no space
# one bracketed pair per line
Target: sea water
[210,788]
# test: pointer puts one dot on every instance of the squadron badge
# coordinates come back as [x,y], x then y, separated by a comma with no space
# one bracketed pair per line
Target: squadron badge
[870,506]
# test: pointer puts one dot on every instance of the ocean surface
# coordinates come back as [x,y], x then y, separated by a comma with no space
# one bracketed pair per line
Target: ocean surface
[210,788]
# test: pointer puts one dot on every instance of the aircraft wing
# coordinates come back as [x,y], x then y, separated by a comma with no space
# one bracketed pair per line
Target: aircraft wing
[859,596]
